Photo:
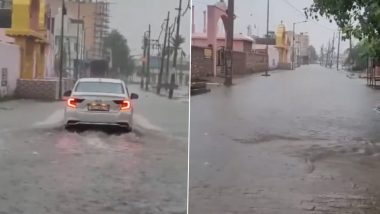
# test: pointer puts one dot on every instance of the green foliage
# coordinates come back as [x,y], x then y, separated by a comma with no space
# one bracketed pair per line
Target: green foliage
[359,54]
[121,58]
[356,18]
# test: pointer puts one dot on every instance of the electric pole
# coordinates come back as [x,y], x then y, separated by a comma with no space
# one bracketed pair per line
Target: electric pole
[337,57]
[181,69]
[76,73]
[147,78]
[294,46]
[321,57]
[332,51]
[177,35]
[143,62]
[163,56]
[229,45]
[63,12]
[168,58]
[350,58]
[267,41]
[327,55]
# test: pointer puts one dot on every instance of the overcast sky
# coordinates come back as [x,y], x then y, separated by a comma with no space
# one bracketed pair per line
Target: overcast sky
[254,12]
[132,17]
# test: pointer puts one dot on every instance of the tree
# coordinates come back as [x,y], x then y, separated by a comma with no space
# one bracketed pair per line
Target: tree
[359,54]
[175,43]
[313,56]
[356,18]
[122,61]
[322,55]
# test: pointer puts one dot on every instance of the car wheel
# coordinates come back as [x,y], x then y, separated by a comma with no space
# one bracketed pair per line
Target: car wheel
[128,129]
[69,128]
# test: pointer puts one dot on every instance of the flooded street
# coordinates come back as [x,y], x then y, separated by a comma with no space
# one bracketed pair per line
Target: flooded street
[45,169]
[303,141]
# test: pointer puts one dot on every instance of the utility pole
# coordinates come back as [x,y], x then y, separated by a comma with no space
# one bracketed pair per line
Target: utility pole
[168,58]
[63,12]
[181,69]
[177,34]
[350,58]
[229,45]
[267,41]
[147,78]
[294,45]
[332,51]
[337,57]
[328,54]
[77,46]
[143,62]
[163,56]
[321,57]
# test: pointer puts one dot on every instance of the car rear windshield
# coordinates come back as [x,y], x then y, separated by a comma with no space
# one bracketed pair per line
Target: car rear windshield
[100,87]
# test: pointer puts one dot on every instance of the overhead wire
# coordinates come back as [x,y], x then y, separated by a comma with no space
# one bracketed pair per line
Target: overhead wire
[188,7]
[304,16]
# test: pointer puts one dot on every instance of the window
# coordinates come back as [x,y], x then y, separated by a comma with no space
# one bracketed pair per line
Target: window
[100,87]
[4,77]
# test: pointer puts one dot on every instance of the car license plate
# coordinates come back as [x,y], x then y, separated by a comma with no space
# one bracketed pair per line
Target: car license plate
[98,107]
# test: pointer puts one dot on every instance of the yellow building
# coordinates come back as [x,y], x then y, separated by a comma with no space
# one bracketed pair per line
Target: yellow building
[28,29]
[282,43]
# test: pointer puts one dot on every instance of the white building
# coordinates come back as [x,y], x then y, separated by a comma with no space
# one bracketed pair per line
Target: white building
[273,53]
[9,68]
[301,48]
[72,40]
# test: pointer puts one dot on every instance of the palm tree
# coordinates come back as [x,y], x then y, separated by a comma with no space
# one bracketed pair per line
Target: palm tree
[175,43]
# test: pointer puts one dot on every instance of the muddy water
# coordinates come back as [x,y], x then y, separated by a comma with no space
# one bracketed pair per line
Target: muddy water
[304,141]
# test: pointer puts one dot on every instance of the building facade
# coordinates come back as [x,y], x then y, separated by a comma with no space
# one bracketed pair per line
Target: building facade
[260,45]
[73,43]
[31,31]
[301,48]
[95,16]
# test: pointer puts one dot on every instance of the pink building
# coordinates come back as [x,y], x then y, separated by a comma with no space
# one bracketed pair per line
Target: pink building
[241,42]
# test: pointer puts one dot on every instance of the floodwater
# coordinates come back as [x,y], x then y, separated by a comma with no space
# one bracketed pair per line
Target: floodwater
[45,169]
[303,141]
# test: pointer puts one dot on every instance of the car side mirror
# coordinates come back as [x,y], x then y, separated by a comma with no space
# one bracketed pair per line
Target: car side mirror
[134,96]
[67,94]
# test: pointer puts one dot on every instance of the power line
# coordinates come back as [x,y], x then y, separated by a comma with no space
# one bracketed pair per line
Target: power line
[304,16]
[188,7]
[292,6]
[200,2]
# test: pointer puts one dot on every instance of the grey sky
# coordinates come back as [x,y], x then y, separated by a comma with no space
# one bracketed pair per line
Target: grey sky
[132,17]
[254,12]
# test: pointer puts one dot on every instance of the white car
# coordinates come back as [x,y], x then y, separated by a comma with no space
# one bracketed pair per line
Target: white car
[99,101]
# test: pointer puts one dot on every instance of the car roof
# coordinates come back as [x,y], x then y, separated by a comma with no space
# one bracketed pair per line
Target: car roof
[100,80]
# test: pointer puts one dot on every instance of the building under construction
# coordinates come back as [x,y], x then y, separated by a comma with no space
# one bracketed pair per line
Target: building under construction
[95,14]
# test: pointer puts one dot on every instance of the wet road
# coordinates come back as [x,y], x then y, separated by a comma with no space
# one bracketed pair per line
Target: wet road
[45,169]
[304,141]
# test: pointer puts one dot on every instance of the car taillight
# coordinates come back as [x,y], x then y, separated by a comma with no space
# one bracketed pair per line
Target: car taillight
[125,105]
[73,102]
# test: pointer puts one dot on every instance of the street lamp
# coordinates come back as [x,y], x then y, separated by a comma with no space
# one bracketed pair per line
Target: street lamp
[76,72]
[267,41]
[294,38]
